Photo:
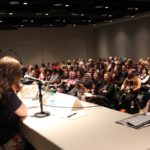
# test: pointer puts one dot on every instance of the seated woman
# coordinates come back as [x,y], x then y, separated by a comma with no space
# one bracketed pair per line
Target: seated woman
[67,83]
[95,79]
[129,89]
[144,76]
[104,95]
[11,107]
[86,83]
[42,75]
[147,108]
[54,76]
[145,86]
[145,81]
[59,86]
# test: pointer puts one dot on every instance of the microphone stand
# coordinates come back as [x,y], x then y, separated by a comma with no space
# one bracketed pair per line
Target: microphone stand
[41,114]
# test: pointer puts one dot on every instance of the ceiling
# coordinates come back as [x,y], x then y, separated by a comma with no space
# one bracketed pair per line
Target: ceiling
[16,14]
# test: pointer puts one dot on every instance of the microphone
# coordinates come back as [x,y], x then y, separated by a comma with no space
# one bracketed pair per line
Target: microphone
[34,79]
[40,82]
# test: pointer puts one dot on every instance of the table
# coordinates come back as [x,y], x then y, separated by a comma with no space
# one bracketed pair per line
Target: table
[92,128]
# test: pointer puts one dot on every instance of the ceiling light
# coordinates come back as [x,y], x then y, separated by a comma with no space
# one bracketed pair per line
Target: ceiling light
[2,13]
[104,15]
[57,20]
[106,7]
[67,5]
[63,20]
[130,8]
[25,20]
[46,14]
[89,21]
[82,15]
[110,21]
[74,14]
[136,8]
[110,15]
[50,25]
[57,4]
[22,25]
[14,3]
[31,20]
[25,3]
[10,13]
[1,21]
[98,6]
[38,14]
[132,16]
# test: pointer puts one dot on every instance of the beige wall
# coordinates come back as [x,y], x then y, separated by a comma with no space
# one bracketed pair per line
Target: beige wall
[130,38]
[37,45]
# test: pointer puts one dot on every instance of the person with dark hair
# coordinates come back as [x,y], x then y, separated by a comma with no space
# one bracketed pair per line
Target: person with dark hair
[11,107]
[104,95]
[129,89]
[86,83]
[55,74]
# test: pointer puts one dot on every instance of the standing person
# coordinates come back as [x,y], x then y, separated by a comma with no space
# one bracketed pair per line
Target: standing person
[11,107]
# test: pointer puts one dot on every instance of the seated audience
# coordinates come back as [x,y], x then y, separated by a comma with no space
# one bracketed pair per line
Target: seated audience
[90,77]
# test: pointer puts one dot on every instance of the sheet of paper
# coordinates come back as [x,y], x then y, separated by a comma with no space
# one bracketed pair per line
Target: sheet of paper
[88,94]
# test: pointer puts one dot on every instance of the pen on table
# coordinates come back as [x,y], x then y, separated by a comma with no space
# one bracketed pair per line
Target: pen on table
[71,115]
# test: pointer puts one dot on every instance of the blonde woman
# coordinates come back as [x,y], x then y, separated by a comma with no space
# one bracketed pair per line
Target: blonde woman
[11,107]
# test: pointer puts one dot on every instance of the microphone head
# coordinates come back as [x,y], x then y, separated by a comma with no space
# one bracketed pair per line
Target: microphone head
[31,78]
[26,76]
[34,79]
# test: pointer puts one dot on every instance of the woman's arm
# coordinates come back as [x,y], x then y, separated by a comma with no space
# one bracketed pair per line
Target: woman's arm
[138,84]
[21,111]
[145,79]
[123,86]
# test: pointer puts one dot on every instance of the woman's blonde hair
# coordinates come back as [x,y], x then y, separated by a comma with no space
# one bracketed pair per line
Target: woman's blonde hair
[10,73]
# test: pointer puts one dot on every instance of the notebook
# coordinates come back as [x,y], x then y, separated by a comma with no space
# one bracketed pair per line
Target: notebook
[136,121]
